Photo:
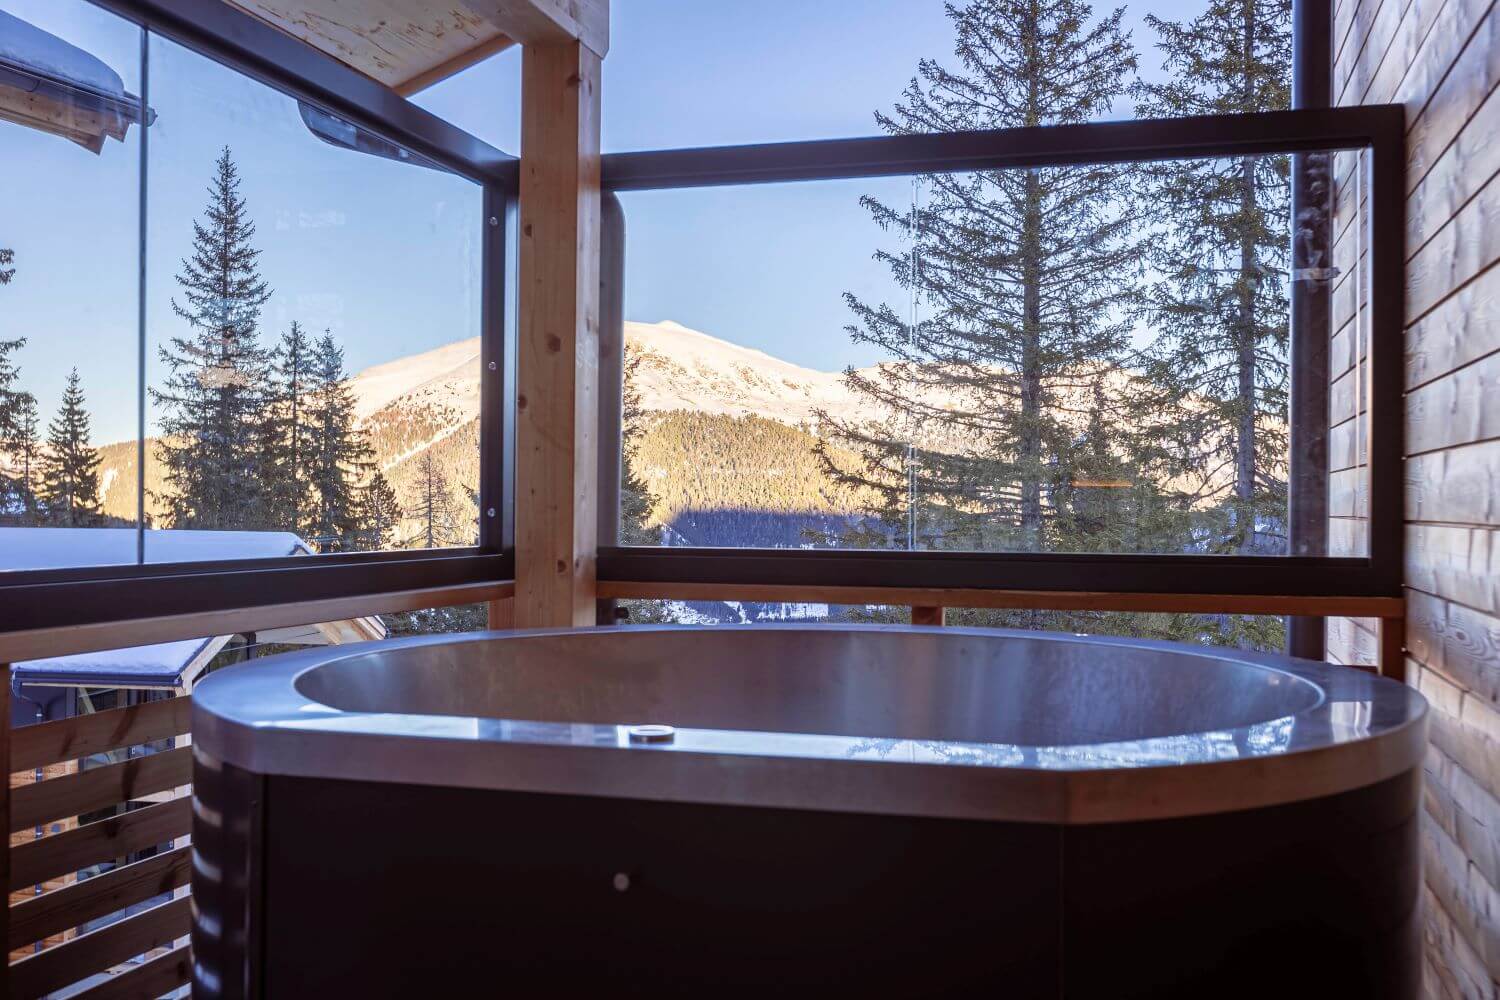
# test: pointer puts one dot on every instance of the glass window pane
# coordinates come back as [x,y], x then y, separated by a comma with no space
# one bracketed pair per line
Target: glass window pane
[483,100]
[70,135]
[313,319]
[1073,359]
[1263,632]
[784,70]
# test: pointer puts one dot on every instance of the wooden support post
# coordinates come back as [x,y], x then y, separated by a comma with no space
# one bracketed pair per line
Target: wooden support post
[557,371]
[928,615]
[1393,648]
[502,614]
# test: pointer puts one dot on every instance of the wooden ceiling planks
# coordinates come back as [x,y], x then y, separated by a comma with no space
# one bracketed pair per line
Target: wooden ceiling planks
[407,45]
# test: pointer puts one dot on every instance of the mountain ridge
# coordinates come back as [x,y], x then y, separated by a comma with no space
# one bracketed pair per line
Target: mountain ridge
[430,401]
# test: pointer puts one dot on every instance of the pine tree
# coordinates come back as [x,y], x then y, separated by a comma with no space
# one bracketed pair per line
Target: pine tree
[380,513]
[636,500]
[12,401]
[1221,246]
[285,450]
[70,466]
[1021,275]
[337,452]
[431,505]
[213,401]
[25,452]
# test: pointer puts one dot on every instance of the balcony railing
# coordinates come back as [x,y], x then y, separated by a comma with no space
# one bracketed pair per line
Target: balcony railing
[101,810]
[143,951]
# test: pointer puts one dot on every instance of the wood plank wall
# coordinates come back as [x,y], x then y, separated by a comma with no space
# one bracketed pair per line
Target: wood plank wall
[1441,59]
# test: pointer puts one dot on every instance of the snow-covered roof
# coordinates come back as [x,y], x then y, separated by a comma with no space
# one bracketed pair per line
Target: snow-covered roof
[158,665]
[52,86]
[64,548]
[155,666]
[25,46]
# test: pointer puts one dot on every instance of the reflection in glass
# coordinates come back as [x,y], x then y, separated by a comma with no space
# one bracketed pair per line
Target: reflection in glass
[70,132]
[313,317]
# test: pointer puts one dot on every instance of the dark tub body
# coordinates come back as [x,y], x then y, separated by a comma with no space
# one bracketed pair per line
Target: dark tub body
[901,811]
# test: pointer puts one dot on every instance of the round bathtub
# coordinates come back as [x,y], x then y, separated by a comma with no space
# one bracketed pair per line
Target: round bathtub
[726,810]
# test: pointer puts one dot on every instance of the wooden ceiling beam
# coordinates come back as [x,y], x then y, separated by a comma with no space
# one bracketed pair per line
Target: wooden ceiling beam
[459,63]
[409,45]
[542,22]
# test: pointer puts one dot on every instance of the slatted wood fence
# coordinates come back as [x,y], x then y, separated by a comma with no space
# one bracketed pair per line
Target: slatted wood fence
[53,936]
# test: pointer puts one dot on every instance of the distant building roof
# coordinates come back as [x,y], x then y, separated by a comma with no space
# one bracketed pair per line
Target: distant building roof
[65,548]
[165,664]
[162,665]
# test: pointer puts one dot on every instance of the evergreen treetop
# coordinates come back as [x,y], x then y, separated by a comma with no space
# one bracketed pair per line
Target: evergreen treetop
[380,514]
[338,455]
[15,497]
[1219,304]
[25,453]
[285,451]
[213,402]
[636,499]
[1016,281]
[70,466]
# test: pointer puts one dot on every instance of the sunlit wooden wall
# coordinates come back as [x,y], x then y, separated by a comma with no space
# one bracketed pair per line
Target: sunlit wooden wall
[1441,59]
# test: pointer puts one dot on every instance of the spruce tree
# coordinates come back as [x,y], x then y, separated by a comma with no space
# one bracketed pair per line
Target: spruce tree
[213,403]
[70,466]
[636,500]
[285,451]
[431,505]
[25,453]
[1220,245]
[13,401]
[1020,275]
[337,452]
[380,513]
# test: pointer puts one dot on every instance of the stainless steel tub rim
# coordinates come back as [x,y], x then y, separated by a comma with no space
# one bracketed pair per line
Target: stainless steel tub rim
[967,723]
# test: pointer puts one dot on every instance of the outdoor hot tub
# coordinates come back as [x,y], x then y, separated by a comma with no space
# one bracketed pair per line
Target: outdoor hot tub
[734,811]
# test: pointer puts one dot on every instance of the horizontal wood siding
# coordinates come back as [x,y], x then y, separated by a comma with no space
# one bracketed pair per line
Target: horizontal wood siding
[1441,59]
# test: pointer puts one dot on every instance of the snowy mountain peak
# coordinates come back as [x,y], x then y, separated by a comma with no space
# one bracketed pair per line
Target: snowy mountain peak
[681,368]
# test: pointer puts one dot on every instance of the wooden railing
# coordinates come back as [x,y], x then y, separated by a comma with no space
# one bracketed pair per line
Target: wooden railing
[47,933]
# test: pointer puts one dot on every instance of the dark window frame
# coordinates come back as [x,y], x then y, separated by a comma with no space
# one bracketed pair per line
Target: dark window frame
[1380,130]
[37,599]
[50,598]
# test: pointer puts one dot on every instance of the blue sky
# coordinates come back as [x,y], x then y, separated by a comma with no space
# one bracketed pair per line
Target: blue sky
[386,255]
